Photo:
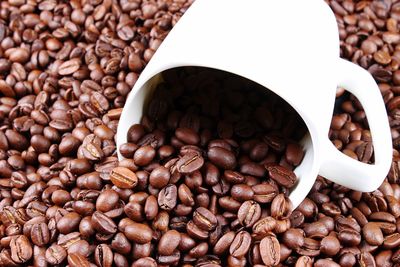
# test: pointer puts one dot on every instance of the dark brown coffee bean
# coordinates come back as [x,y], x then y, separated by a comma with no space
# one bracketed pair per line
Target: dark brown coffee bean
[107,200]
[364,152]
[366,259]
[281,207]
[264,193]
[326,262]
[204,219]
[349,237]
[249,213]
[264,226]
[330,245]
[304,261]
[194,231]
[222,158]
[270,251]
[103,256]
[151,208]
[185,195]
[69,67]
[384,258]
[190,163]
[242,192]
[69,223]
[55,254]
[167,197]
[138,232]
[391,241]
[159,177]
[168,242]
[187,136]
[293,238]
[282,176]
[316,230]
[253,169]
[21,249]
[80,247]
[233,177]
[224,243]
[135,133]
[75,260]
[40,234]
[240,244]
[144,155]
[103,224]
[145,262]
[294,154]
[372,234]
[259,152]
[123,178]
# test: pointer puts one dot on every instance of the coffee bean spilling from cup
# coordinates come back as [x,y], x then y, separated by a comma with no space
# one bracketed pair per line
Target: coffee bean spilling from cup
[216,154]
[65,71]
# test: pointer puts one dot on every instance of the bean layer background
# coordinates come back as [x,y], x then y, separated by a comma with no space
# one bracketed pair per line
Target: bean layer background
[65,71]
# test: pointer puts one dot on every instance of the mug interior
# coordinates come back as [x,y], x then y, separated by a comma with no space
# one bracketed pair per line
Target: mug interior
[306,172]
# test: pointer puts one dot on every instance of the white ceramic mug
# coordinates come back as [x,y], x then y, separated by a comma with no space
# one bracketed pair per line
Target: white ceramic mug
[292,48]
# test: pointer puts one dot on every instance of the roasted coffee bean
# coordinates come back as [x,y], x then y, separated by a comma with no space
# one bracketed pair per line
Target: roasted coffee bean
[21,249]
[264,193]
[138,232]
[204,219]
[40,234]
[249,213]
[196,232]
[187,136]
[330,245]
[55,254]
[103,256]
[144,155]
[391,241]
[224,243]
[366,259]
[264,226]
[159,177]
[240,192]
[270,250]
[316,230]
[222,158]
[281,207]
[190,163]
[123,178]
[294,154]
[349,237]
[240,244]
[233,177]
[304,261]
[107,200]
[282,176]
[293,238]
[168,242]
[326,262]
[167,197]
[372,234]
[103,224]
[144,262]
[75,260]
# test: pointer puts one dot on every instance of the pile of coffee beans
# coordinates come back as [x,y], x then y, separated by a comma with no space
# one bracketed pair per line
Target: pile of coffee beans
[199,185]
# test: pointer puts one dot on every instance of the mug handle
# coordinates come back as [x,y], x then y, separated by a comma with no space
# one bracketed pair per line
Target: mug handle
[347,171]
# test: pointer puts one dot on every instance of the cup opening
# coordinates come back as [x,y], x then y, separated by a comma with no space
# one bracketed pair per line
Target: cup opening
[287,124]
